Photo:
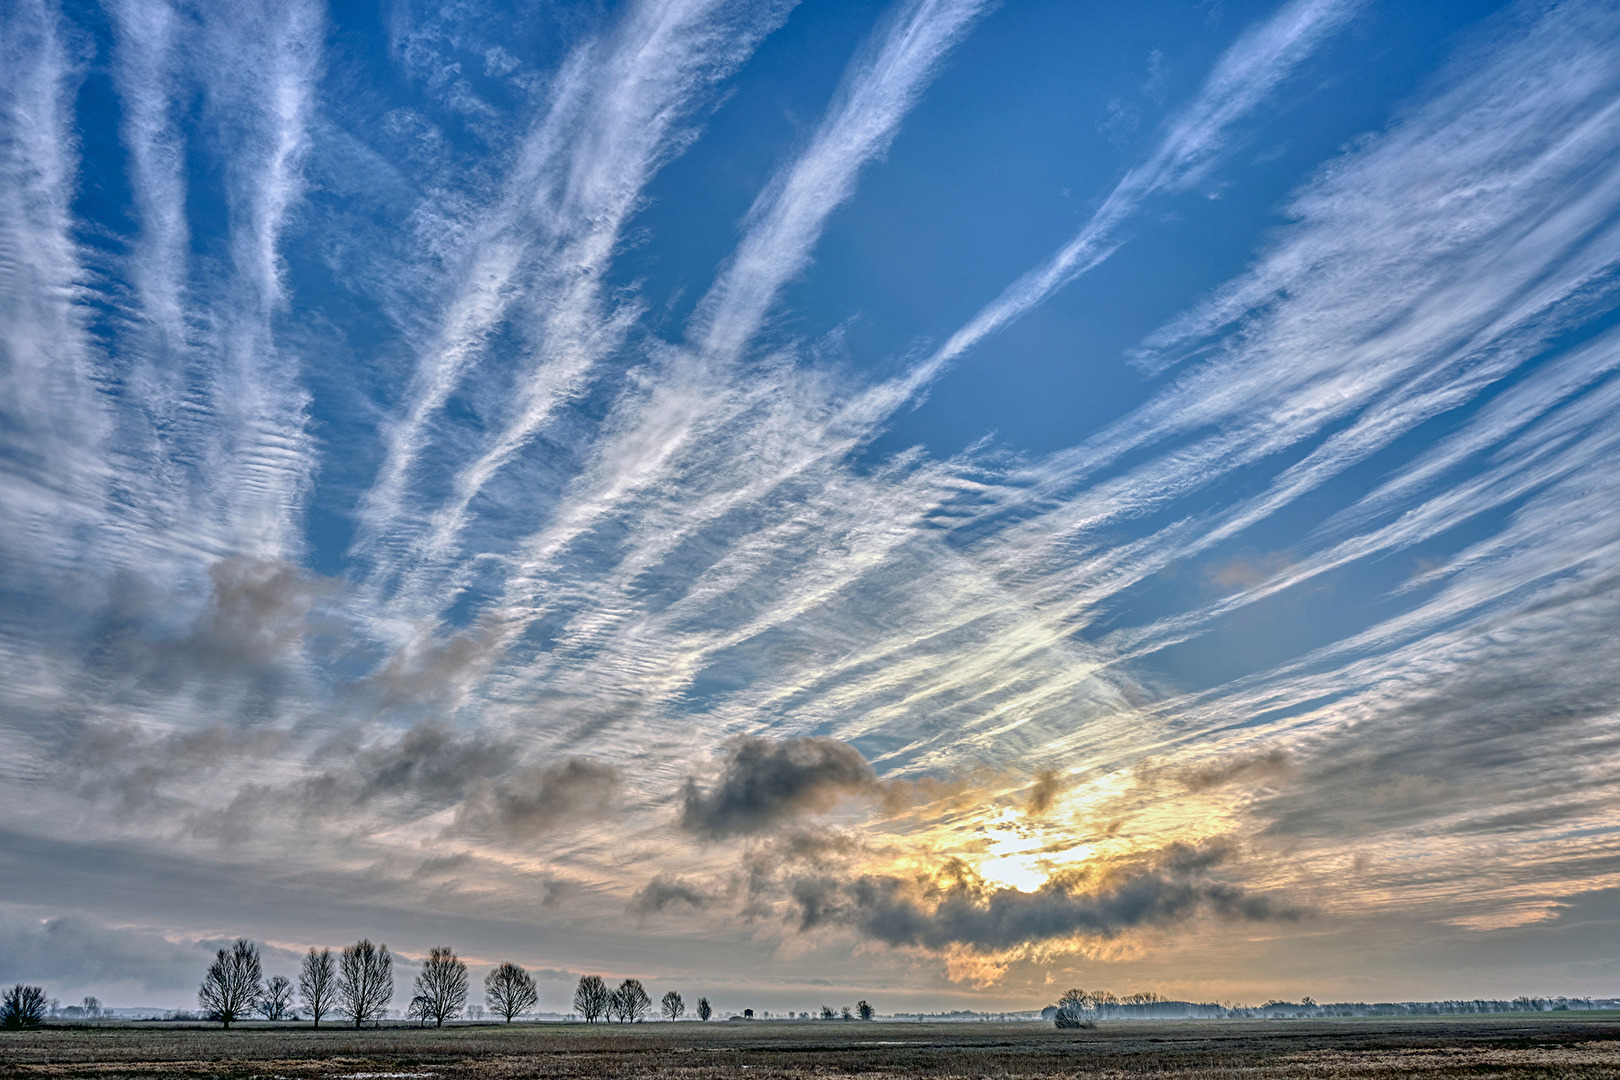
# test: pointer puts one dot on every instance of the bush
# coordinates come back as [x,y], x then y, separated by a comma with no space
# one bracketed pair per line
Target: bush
[1068,1018]
[22,1006]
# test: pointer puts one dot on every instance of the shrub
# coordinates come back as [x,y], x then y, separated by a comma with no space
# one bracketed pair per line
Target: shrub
[22,1006]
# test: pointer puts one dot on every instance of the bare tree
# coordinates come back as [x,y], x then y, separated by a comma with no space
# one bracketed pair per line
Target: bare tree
[22,1006]
[233,984]
[673,1005]
[508,991]
[705,1010]
[317,983]
[632,1000]
[442,985]
[827,1012]
[864,1010]
[591,998]
[276,1002]
[365,981]
[91,1007]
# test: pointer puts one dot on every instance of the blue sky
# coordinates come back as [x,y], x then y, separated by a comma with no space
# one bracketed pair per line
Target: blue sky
[932,499]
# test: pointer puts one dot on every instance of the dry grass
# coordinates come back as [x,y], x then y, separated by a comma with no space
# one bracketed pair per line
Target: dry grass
[1530,1047]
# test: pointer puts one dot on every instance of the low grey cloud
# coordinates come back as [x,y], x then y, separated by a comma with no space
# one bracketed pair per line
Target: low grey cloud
[72,951]
[427,767]
[441,865]
[1178,884]
[665,891]
[122,761]
[434,671]
[432,762]
[773,860]
[769,782]
[1246,768]
[259,611]
[541,798]
[255,624]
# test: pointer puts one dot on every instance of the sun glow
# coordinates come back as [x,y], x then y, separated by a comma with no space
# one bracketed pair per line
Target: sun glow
[1018,857]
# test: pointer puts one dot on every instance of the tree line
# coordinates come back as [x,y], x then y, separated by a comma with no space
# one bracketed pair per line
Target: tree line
[356,985]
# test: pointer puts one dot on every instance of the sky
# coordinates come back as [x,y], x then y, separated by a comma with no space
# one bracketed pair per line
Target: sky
[931,501]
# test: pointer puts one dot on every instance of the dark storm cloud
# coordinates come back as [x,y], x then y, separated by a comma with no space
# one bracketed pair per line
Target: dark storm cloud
[665,890]
[541,799]
[73,951]
[1179,883]
[768,782]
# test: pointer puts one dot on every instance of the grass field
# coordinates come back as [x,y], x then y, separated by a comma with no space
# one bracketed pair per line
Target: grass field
[1539,1046]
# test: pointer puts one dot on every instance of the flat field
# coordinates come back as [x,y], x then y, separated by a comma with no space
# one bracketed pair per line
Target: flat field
[1540,1046]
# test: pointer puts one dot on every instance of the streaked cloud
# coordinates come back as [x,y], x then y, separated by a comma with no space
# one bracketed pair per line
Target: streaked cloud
[373,543]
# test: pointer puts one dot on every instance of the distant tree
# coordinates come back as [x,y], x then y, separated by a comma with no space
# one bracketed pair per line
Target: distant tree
[420,1010]
[318,983]
[91,1007]
[509,991]
[673,1005]
[233,984]
[591,998]
[365,982]
[844,1013]
[276,1001]
[633,1001]
[864,1010]
[704,1010]
[748,1014]
[827,1012]
[443,985]
[475,1012]
[22,1007]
